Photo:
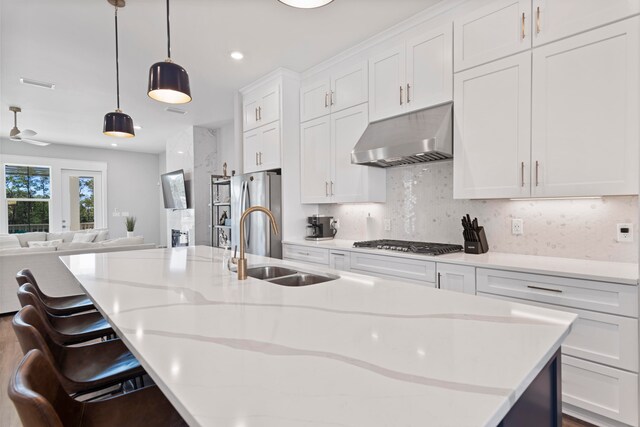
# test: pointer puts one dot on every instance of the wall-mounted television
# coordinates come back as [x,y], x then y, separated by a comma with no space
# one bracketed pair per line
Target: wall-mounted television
[174,190]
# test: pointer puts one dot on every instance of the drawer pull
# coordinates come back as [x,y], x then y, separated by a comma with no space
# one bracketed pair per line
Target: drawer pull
[544,289]
[303,253]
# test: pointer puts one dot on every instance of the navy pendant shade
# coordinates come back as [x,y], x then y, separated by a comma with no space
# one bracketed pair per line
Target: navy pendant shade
[169,82]
[118,124]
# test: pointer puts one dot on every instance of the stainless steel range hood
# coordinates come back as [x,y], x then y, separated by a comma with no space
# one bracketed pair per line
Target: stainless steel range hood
[418,137]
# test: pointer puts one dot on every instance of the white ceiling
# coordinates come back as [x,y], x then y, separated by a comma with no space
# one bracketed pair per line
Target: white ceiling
[71,43]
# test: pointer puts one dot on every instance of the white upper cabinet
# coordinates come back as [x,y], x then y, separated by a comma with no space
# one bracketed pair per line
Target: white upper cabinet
[554,19]
[314,99]
[261,107]
[387,83]
[315,152]
[412,76]
[261,148]
[429,69]
[585,113]
[326,170]
[349,86]
[344,87]
[492,108]
[494,31]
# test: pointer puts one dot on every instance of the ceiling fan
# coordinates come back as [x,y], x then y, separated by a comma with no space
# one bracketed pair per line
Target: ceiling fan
[25,135]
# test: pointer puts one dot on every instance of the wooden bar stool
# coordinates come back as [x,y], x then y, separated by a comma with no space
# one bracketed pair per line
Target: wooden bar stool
[61,306]
[41,401]
[83,369]
[67,330]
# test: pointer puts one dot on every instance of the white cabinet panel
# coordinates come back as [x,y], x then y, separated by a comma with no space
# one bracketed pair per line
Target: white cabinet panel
[555,19]
[250,113]
[251,144]
[458,278]
[585,114]
[314,99]
[492,129]
[606,391]
[430,69]
[269,108]
[269,150]
[387,84]
[306,254]
[315,152]
[349,86]
[583,294]
[340,260]
[496,30]
[396,267]
[597,337]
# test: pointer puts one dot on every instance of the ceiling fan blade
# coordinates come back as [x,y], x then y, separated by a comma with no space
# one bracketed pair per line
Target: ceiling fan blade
[27,133]
[34,142]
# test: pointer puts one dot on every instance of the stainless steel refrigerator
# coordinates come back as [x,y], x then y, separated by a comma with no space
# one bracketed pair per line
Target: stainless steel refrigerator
[257,189]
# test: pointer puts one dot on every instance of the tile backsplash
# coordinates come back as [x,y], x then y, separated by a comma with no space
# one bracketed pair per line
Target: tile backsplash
[420,206]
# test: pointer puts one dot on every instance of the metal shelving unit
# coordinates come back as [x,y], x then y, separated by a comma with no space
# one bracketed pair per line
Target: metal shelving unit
[220,202]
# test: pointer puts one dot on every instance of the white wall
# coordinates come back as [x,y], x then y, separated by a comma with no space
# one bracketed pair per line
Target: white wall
[421,207]
[179,155]
[132,182]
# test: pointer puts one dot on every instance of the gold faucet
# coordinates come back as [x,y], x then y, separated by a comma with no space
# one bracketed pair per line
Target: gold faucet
[242,261]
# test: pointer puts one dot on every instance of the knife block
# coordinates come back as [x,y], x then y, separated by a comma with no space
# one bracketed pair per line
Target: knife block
[479,247]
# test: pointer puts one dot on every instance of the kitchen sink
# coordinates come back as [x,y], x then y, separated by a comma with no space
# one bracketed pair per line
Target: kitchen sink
[268,272]
[303,279]
[287,277]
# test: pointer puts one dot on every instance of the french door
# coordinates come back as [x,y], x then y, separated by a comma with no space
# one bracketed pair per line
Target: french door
[82,200]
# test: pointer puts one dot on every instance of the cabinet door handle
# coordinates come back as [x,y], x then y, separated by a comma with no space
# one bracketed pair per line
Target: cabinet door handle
[303,253]
[259,113]
[326,188]
[257,159]
[537,173]
[400,95]
[439,277]
[523,27]
[522,173]
[256,114]
[538,20]
[540,288]
[332,188]
[326,99]
[408,93]
[260,157]
[331,97]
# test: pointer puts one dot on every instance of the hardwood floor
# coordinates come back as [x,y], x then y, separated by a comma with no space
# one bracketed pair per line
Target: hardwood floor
[11,353]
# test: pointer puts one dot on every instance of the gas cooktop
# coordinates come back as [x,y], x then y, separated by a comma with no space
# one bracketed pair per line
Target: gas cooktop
[424,248]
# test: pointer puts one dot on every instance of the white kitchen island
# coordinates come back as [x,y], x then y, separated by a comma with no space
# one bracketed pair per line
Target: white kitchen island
[357,351]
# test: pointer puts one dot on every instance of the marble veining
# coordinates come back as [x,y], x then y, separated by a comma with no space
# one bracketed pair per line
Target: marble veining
[355,351]
[420,206]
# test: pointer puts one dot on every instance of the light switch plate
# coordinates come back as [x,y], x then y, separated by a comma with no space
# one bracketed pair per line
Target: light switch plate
[624,233]
[517,226]
[387,224]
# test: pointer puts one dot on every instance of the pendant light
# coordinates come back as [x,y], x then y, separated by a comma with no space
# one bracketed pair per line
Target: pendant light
[305,4]
[169,82]
[117,123]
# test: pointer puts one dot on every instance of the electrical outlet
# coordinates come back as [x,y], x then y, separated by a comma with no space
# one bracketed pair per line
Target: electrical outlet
[517,227]
[624,233]
[116,212]
[387,224]
[125,213]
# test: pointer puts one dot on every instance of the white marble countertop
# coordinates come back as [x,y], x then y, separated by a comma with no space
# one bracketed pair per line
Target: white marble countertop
[357,351]
[607,271]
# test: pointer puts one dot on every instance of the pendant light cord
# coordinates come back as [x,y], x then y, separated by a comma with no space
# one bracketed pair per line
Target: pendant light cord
[168,34]
[117,63]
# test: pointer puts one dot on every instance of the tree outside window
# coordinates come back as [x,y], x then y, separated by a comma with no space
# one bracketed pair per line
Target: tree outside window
[28,191]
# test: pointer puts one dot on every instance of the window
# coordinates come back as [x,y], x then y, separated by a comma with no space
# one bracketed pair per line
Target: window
[86,202]
[28,192]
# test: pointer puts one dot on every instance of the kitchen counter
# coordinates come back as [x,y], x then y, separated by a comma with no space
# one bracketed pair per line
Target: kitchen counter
[607,271]
[357,351]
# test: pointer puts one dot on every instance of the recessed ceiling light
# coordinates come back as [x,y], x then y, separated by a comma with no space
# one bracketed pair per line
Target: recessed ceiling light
[37,83]
[175,110]
[180,152]
[236,55]
[137,127]
[114,144]
[305,4]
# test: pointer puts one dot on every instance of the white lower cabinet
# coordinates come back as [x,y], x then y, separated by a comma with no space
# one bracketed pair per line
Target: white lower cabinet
[608,392]
[340,260]
[459,278]
[394,267]
[306,254]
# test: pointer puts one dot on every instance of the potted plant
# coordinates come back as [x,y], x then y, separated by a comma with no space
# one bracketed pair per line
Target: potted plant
[130,223]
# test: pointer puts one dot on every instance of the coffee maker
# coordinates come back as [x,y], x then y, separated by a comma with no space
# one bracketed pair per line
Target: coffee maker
[320,227]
